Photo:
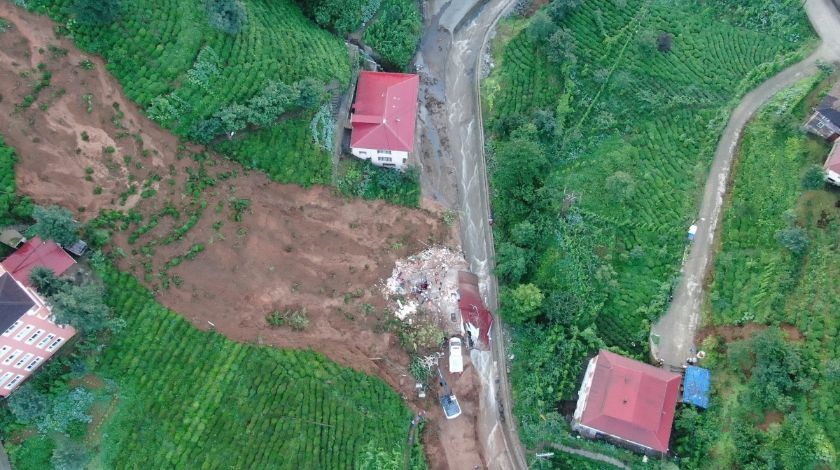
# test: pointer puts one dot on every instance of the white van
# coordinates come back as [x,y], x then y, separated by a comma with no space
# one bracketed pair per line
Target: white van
[456,360]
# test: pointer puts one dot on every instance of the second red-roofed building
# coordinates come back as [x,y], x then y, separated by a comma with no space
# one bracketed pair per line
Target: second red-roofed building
[628,402]
[383,118]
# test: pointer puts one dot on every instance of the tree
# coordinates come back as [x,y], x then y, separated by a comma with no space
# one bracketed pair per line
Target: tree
[226,15]
[561,47]
[559,9]
[621,186]
[794,239]
[69,455]
[45,281]
[511,262]
[96,12]
[664,42]
[28,405]
[522,303]
[310,93]
[814,178]
[55,223]
[81,307]
[541,27]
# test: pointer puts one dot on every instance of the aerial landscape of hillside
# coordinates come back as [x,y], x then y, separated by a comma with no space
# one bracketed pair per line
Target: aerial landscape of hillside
[448,234]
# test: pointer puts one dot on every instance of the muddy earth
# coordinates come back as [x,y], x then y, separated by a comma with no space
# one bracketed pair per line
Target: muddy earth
[83,145]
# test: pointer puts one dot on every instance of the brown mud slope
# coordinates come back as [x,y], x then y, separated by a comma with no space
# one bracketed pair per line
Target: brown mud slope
[290,249]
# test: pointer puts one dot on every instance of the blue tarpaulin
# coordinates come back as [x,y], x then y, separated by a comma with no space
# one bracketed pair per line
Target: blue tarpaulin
[696,385]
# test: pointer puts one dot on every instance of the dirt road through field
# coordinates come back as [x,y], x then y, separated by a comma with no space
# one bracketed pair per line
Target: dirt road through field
[672,337]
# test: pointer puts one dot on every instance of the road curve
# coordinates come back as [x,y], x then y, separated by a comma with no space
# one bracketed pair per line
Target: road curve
[675,331]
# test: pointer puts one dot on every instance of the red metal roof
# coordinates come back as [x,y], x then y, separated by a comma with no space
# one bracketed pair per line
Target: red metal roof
[632,401]
[473,311]
[385,111]
[36,252]
[833,161]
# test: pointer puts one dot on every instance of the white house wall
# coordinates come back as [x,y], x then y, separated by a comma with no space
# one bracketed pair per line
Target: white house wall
[832,177]
[393,159]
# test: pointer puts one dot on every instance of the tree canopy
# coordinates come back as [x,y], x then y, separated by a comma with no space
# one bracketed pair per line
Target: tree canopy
[55,223]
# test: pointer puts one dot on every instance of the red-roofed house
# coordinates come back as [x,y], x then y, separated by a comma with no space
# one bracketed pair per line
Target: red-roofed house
[37,252]
[475,316]
[29,336]
[832,165]
[627,401]
[383,119]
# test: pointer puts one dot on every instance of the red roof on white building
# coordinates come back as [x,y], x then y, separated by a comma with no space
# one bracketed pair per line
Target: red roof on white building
[832,163]
[632,401]
[473,312]
[37,252]
[385,111]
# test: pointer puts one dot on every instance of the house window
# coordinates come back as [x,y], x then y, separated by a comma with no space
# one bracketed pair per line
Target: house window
[55,344]
[12,357]
[385,159]
[25,331]
[44,341]
[5,377]
[4,350]
[12,328]
[389,165]
[362,152]
[34,336]
[22,360]
[34,363]
[14,381]
[384,152]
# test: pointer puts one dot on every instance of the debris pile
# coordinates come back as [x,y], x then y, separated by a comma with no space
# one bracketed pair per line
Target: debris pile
[427,281]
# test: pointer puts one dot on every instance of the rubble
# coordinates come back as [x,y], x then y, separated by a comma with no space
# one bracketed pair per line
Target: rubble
[427,282]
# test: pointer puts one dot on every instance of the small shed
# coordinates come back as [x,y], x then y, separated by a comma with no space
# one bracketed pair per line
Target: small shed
[11,238]
[696,385]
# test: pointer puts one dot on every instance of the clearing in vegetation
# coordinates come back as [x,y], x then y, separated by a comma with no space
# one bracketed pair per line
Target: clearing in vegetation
[601,120]
[777,274]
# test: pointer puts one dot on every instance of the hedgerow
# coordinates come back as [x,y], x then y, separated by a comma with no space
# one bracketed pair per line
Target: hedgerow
[598,146]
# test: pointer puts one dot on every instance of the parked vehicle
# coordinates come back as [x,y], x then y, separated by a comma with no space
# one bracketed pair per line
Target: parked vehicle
[448,401]
[456,359]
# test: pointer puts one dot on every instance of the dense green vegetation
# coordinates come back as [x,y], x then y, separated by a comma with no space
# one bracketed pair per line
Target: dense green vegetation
[12,206]
[601,121]
[360,178]
[775,384]
[183,398]
[286,152]
[395,32]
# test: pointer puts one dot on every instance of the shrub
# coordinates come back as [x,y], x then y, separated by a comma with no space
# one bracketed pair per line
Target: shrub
[813,178]
[55,223]
[794,239]
[226,15]
[96,12]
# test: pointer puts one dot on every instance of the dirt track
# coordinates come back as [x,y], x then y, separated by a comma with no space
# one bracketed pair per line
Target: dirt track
[676,329]
[293,249]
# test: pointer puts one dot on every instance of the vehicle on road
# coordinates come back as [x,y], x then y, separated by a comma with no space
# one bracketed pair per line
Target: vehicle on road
[456,359]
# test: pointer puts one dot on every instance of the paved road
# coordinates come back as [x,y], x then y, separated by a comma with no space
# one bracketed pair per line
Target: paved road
[676,329]
[503,448]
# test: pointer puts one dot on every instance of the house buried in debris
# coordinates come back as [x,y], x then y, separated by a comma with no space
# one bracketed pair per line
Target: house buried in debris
[627,402]
[825,123]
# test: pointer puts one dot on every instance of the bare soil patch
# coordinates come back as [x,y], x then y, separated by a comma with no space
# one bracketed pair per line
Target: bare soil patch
[291,248]
[730,333]
[772,417]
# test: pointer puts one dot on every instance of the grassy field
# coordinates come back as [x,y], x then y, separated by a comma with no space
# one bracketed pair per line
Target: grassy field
[190,399]
[600,132]
[773,317]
